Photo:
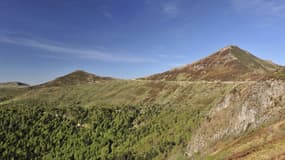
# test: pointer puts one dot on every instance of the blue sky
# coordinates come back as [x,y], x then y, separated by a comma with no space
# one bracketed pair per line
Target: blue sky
[43,39]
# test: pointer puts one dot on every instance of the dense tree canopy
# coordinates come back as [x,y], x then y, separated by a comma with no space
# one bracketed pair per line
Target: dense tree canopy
[84,133]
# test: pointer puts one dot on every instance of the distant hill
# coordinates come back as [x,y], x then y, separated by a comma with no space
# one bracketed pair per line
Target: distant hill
[74,78]
[9,90]
[13,85]
[228,64]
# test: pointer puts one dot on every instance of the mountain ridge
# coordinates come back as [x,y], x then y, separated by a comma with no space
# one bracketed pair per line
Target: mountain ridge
[230,63]
[74,78]
[14,84]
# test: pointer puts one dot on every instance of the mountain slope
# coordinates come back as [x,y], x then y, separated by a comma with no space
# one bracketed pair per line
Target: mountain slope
[262,144]
[13,85]
[9,90]
[82,116]
[166,113]
[228,64]
[247,108]
[74,78]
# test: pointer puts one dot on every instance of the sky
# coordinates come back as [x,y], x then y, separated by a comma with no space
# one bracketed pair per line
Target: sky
[43,39]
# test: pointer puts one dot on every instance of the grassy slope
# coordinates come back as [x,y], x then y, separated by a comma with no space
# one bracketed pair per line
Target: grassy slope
[76,77]
[180,107]
[7,93]
[252,62]
[122,92]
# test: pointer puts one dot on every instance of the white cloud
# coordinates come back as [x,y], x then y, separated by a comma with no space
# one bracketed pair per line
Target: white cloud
[76,52]
[106,12]
[167,8]
[170,9]
[262,7]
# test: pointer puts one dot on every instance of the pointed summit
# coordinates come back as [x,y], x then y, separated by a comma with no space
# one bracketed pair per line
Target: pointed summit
[230,63]
[74,78]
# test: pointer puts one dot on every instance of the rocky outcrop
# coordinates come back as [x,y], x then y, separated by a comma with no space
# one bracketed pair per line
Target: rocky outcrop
[247,107]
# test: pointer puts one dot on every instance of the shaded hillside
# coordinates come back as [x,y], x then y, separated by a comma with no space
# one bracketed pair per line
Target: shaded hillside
[75,78]
[228,64]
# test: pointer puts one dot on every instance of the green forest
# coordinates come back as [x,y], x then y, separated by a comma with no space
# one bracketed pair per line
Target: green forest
[125,132]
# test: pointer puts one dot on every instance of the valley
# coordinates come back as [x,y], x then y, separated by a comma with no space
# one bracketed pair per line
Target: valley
[229,105]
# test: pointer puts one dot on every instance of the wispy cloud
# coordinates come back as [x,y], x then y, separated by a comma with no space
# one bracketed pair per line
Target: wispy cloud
[75,52]
[170,9]
[106,12]
[267,7]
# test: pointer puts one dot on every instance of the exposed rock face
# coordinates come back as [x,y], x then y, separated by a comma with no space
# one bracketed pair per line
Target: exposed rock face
[247,107]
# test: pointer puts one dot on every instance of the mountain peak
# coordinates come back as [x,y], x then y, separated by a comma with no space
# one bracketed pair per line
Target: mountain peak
[221,57]
[79,72]
[230,63]
[233,50]
[229,47]
[76,77]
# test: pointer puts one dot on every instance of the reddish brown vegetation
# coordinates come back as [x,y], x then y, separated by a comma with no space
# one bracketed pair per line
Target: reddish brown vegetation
[228,64]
